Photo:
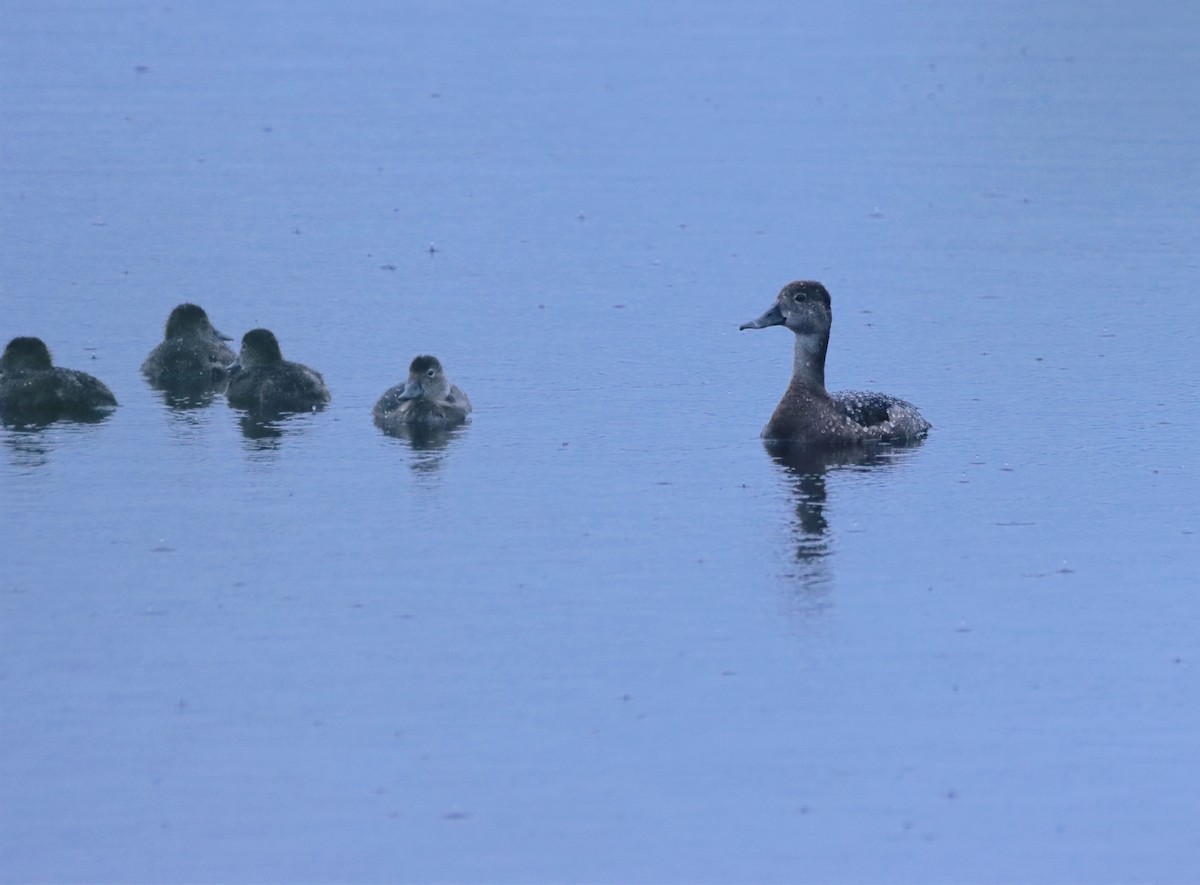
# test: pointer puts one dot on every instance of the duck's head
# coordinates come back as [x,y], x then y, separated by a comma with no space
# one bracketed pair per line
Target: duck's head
[24,354]
[427,379]
[802,306]
[190,319]
[259,348]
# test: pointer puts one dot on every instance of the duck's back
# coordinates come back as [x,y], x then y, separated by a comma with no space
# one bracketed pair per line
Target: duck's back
[284,387]
[813,418]
[189,362]
[392,410]
[389,403]
[896,419]
[50,393]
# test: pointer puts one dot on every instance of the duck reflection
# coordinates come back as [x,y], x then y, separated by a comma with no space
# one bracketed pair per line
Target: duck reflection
[39,421]
[262,432]
[27,447]
[186,412]
[267,433]
[429,446]
[29,441]
[182,403]
[806,470]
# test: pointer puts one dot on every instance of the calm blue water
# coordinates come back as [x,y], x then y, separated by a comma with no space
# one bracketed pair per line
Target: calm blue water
[601,635]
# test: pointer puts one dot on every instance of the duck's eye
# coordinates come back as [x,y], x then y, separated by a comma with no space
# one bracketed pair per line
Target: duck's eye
[429,373]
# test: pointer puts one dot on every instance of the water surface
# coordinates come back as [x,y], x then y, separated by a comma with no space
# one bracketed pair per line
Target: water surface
[601,634]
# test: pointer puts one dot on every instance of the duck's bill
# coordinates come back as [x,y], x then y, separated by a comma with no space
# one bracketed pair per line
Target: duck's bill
[412,390]
[222,335]
[773,317]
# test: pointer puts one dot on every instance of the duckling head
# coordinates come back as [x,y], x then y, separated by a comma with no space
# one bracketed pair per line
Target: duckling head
[259,348]
[190,319]
[427,379]
[24,354]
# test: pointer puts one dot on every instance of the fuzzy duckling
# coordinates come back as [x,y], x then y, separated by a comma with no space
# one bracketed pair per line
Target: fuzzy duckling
[192,357]
[426,401]
[263,382]
[33,390]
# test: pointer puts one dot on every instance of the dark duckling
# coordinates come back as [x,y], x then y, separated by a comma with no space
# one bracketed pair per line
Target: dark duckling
[262,381]
[192,357]
[34,390]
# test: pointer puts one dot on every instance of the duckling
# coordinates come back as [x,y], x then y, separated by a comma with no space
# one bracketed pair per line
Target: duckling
[808,415]
[426,401]
[34,390]
[192,357]
[263,382]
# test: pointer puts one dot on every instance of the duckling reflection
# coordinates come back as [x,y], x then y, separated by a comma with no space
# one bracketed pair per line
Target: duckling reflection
[192,360]
[430,440]
[189,401]
[427,458]
[425,407]
[33,391]
[265,384]
[27,447]
[261,433]
[185,418]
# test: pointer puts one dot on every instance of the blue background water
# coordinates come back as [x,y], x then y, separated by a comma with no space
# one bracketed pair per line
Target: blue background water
[601,635]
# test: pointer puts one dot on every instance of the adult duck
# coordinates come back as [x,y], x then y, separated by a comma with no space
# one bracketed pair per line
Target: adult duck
[808,415]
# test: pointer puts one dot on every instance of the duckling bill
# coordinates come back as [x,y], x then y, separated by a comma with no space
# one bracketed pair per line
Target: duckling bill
[808,414]
[427,400]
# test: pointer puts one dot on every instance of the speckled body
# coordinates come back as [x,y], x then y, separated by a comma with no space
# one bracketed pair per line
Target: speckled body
[193,356]
[808,415]
[264,382]
[426,401]
[815,418]
[34,390]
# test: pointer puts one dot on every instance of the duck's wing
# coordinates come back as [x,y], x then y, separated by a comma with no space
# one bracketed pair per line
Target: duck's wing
[862,407]
[314,383]
[389,402]
[881,415]
[459,399]
[81,390]
[189,362]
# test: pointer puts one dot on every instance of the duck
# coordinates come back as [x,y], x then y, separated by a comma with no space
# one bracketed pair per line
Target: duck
[808,415]
[263,382]
[426,401]
[34,390]
[193,356]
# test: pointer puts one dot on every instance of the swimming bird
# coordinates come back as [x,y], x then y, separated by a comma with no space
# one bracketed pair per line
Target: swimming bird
[808,414]
[34,390]
[192,357]
[263,382]
[426,401]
